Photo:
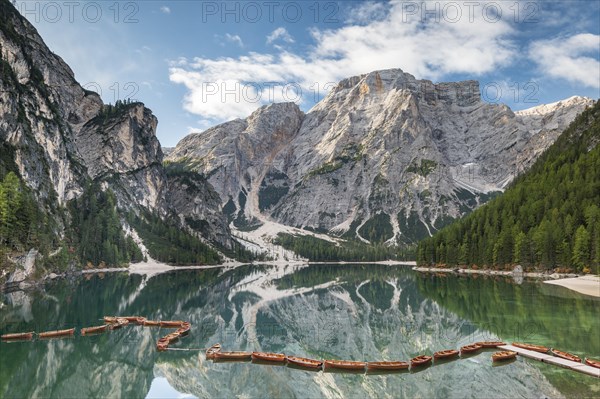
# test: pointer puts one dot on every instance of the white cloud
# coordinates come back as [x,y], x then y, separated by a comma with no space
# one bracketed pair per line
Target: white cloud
[425,47]
[574,58]
[234,39]
[165,10]
[280,34]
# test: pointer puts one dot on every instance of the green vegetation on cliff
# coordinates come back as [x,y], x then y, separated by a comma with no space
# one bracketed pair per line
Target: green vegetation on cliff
[549,217]
[169,243]
[22,224]
[98,236]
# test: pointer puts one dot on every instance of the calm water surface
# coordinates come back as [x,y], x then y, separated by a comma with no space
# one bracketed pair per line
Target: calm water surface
[361,312]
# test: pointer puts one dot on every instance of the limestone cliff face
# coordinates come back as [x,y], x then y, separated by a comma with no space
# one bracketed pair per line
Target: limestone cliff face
[125,145]
[381,149]
[59,137]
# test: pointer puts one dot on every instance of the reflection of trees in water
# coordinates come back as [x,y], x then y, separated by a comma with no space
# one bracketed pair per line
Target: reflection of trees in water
[365,312]
[530,312]
[520,312]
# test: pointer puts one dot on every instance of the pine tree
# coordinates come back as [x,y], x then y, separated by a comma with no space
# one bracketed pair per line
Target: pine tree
[581,248]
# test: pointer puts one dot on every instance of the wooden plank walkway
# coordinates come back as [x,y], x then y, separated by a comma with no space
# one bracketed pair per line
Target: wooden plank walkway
[544,358]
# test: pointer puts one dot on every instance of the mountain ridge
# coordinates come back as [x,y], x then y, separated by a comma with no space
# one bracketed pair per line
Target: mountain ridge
[384,142]
[68,158]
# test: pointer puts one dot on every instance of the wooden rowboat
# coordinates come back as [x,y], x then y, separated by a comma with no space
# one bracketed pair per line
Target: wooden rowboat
[232,355]
[57,333]
[565,355]
[184,329]
[420,361]
[504,355]
[344,365]
[490,344]
[92,330]
[305,362]
[173,337]
[172,324]
[269,357]
[11,337]
[470,348]
[387,365]
[162,344]
[134,319]
[110,319]
[210,352]
[446,354]
[531,347]
[151,323]
[592,362]
[119,323]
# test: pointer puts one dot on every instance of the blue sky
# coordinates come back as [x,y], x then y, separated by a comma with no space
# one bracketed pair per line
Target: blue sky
[199,63]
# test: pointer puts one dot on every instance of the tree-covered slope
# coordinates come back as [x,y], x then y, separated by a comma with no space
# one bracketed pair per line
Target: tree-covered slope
[72,169]
[549,217]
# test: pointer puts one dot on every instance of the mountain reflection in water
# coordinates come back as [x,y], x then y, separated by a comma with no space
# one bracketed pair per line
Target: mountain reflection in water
[352,312]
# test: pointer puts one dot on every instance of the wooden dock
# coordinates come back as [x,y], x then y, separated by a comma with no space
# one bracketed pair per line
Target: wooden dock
[557,361]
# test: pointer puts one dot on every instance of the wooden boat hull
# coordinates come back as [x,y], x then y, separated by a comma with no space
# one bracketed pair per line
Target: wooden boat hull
[173,337]
[504,355]
[162,344]
[210,352]
[184,329]
[269,357]
[470,348]
[593,363]
[120,323]
[57,333]
[17,336]
[151,323]
[110,319]
[94,330]
[420,361]
[239,356]
[565,355]
[387,366]
[344,365]
[304,362]
[135,319]
[447,354]
[171,324]
[490,344]
[531,347]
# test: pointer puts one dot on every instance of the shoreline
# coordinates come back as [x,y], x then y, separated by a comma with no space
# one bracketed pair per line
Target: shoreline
[153,268]
[584,284]
[491,272]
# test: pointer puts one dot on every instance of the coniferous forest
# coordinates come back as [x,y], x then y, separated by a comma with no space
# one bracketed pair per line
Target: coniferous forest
[318,250]
[549,217]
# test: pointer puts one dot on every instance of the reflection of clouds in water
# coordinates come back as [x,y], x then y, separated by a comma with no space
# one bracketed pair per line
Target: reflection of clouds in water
[161,389]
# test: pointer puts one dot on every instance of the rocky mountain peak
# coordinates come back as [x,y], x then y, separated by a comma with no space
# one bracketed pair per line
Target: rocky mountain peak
[383,157]
[391,82]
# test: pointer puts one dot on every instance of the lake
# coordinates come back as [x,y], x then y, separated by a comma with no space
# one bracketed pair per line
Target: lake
[353,312]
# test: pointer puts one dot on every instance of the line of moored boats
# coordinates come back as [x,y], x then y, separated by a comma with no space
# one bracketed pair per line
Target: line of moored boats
[112,323]
[216,354]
